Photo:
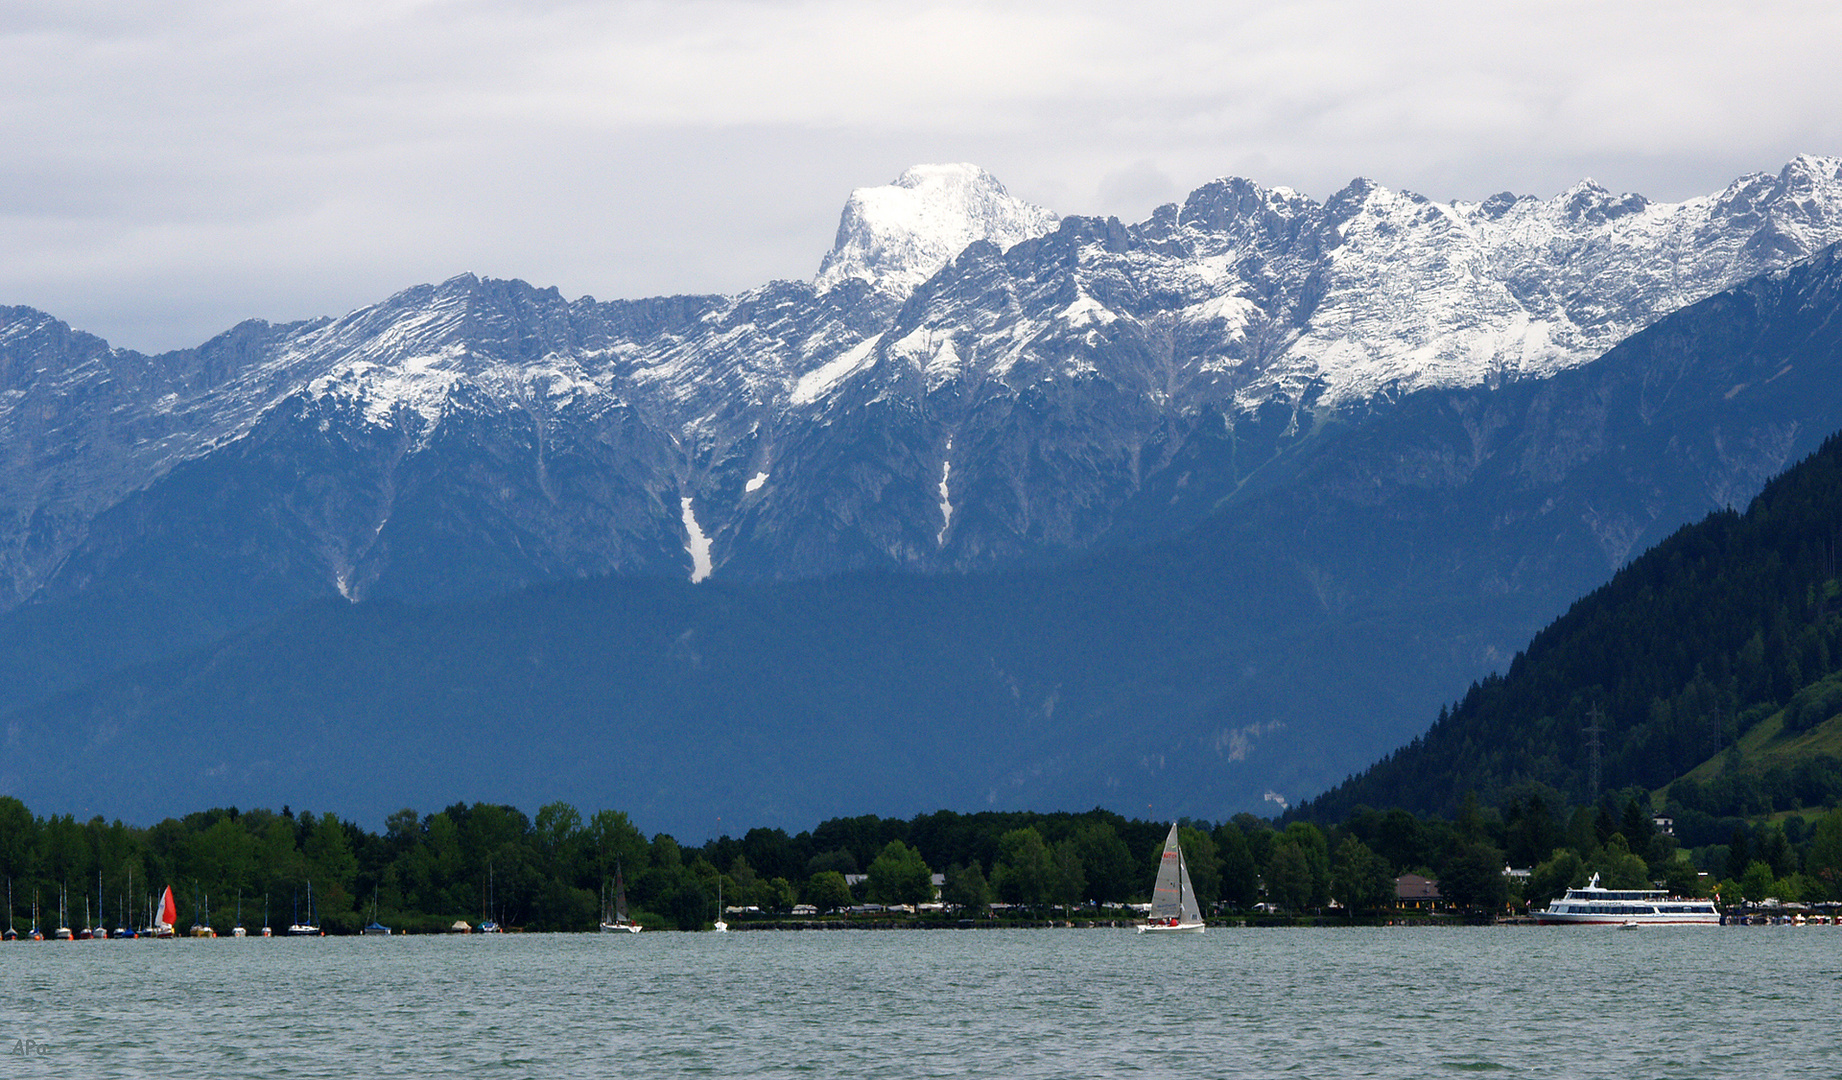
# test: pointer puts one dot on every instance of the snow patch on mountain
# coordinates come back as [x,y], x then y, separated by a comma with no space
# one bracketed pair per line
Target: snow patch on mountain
[897,236]
[815,383]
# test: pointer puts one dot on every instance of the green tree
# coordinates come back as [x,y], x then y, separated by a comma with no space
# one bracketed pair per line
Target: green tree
[1204,865]
[1107,863]
[1824,861]
[1618,868]
[1070,877]
[1758,882]
[1025,872]
[1473,878]
[1551,879]
[613,841]
[1240,876]
[899,876]
[1288,877]
[1360,878]
[827,891]
[966,889]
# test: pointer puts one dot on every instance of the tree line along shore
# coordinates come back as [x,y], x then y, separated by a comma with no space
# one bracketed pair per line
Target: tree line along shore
[553,871]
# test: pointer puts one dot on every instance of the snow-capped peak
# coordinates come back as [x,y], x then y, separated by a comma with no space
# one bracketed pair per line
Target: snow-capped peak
[896,237]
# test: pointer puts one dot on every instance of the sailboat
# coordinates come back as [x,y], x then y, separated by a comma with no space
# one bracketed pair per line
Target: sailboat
[237,930]
[375,928]
[203,929]
[308,928]
[721,927]
[126,929]
[11,934]
[618,923]
[99,931]
[1173,898]
[169,914]
[35,934]
[62,933]
[267,930]
[487,926]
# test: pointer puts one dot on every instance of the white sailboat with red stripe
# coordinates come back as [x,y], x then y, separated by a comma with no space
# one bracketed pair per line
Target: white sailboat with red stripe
[1173,899]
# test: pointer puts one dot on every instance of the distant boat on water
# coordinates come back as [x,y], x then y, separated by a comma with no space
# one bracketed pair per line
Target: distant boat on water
[304,929]
[62,933]
[169,914]
[487,926]
[204,927]
[1173,899]
[375,928]
[618,922]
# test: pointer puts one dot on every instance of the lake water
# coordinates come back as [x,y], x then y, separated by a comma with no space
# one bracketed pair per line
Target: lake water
[1382,1002]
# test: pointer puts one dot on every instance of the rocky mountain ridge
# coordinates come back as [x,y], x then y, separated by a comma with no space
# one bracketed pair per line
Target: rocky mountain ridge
[1019,403]
[1312,617]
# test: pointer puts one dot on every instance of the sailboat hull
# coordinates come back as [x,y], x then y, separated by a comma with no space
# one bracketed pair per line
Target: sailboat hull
[1180,928]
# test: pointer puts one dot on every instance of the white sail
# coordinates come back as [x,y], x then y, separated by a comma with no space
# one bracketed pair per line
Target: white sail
[1173,898]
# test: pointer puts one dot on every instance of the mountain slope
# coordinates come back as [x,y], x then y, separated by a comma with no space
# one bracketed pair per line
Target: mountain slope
[1677,658]
[1322,605]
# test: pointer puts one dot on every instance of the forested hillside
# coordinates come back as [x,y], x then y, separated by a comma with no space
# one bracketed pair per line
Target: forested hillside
[1720,643]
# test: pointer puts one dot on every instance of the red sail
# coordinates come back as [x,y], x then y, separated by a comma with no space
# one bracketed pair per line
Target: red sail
[169,911]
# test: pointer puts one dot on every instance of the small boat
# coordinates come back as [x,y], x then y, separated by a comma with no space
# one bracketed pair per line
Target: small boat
[237,930]
[126,929]
[98,932]
[169,914]
[721,927]
[617,922]
[62,933]
[487,926]
[203,929]
[461,926]
[375,928]
[10,934]
[1173,899]
[304,929]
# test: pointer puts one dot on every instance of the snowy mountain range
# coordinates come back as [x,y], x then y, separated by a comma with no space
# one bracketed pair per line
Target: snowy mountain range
[969,381]
[1261,477]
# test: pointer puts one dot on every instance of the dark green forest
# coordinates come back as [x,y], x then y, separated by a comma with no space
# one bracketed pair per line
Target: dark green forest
[1722,641]
[550,872]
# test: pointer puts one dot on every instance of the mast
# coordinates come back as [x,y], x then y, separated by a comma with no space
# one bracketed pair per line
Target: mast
[1182,877]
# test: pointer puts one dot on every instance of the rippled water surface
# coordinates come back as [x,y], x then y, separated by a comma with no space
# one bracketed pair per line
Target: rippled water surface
[1563,1002]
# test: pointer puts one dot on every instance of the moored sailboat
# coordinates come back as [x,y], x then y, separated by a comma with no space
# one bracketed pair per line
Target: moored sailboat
[1173,899]
[487,925]
[169,914]
[375,928]
[62,933]
[304,929]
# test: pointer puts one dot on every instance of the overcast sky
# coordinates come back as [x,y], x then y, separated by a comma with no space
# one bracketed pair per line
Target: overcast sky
[169,170]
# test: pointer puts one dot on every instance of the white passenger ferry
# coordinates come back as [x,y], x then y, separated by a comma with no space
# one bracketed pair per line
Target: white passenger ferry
[1593,905]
